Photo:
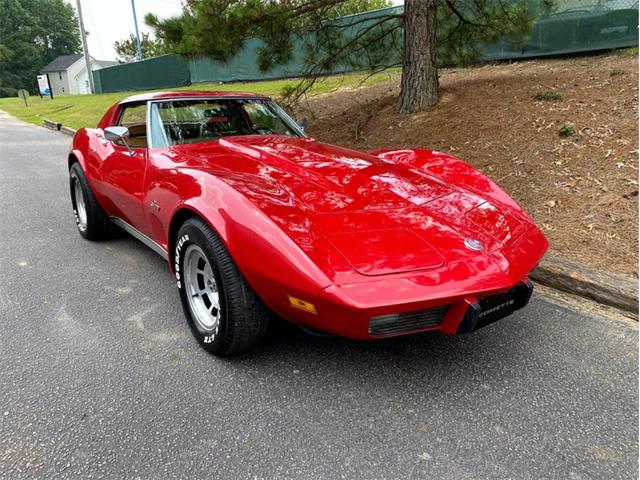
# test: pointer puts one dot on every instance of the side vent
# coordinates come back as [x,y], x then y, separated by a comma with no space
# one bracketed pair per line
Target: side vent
[406,322]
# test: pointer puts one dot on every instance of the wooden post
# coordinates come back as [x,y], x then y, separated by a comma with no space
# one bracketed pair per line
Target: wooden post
[50,89]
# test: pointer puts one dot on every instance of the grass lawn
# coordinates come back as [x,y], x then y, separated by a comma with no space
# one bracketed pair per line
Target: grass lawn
[77,111]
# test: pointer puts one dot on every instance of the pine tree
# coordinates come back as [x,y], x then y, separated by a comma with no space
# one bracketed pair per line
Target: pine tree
[427,33]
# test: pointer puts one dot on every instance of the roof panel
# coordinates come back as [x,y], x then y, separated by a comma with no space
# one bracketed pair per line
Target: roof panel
[187,94]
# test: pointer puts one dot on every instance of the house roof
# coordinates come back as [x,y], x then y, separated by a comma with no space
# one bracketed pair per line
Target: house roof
[94,62]
[107,63]
[61,63]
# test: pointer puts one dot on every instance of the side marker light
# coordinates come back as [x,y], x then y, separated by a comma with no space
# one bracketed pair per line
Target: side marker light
[300,304]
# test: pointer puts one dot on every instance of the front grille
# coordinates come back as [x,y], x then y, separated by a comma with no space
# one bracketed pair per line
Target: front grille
[406,322]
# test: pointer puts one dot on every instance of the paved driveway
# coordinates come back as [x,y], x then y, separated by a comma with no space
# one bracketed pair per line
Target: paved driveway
[100,377]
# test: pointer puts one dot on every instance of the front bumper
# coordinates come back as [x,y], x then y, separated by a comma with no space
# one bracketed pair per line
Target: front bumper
[492,308]
[452,315]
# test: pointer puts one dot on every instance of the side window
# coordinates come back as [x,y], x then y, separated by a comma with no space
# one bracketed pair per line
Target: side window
[134,117]
[156,130]
[260,116]
[264,121]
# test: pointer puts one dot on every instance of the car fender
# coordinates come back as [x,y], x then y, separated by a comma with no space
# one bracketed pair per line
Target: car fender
[82,143]
[79,143]
[453,171]
[272,263]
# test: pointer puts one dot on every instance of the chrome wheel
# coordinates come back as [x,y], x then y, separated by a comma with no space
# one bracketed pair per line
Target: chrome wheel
[201,289]
[81,208]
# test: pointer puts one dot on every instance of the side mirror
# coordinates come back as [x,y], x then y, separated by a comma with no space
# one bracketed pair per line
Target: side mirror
[118,134]
[302,123]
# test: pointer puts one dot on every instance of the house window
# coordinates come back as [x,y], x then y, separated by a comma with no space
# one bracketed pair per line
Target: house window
[60,75]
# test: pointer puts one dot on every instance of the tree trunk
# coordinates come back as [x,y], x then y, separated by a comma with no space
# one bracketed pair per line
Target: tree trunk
[419,83]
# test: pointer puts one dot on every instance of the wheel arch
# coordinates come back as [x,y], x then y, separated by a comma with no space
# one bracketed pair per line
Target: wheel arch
[76,157]
[71,160]
[179,217]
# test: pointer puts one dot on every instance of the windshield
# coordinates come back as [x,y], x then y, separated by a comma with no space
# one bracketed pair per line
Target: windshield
[177,122]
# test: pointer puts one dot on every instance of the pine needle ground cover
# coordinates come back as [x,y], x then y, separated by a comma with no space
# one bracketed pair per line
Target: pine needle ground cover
[570,159]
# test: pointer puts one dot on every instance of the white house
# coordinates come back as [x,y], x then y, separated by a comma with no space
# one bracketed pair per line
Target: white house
[68,73]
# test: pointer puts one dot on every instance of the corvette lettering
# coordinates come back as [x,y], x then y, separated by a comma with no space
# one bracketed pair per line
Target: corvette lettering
[497,307]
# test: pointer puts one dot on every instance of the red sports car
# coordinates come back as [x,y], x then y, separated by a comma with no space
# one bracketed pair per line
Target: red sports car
[254,217]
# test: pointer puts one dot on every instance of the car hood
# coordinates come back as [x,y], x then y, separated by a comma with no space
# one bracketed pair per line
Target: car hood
[355,211]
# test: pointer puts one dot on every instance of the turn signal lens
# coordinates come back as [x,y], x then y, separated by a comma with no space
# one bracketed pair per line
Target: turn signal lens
[302,304]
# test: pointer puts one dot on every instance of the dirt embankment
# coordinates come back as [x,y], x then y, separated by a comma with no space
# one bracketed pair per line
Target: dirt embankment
[506,120]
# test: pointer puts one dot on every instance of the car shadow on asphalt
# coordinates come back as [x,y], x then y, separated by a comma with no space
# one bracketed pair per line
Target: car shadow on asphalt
[287,342]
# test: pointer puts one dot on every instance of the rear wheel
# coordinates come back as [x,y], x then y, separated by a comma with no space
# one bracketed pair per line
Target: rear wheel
[224,313]
[91,220]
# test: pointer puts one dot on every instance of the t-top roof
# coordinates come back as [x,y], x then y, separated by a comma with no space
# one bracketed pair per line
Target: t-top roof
[144,97]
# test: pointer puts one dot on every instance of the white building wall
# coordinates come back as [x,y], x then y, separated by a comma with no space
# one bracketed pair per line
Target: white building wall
[59,82]
[72,72]
[80,79]
[74,80]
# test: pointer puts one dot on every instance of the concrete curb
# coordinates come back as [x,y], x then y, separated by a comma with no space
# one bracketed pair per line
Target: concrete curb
[67,130]
[619,291]
[50,124]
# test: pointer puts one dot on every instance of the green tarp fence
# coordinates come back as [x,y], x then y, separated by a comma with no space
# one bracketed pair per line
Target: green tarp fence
[572,26]
[575,26]
[165,71]
[241,67]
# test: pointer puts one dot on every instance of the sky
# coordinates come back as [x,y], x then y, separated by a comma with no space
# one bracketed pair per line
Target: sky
[108,21]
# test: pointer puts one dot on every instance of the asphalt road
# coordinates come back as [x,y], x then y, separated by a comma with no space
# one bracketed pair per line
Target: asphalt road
[100,377]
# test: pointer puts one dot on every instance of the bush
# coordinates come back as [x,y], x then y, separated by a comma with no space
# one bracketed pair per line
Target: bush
[8,92]
[548,95]
[567,130]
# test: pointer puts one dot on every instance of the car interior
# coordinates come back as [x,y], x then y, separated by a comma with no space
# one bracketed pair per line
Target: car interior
[137,135]
[215,122]
[191,122]
[134,117]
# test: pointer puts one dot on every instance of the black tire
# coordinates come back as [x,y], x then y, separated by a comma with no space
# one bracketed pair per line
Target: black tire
[97,225]
[243,318]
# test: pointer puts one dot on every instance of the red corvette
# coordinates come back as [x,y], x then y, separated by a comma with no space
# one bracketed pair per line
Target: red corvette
[254,217]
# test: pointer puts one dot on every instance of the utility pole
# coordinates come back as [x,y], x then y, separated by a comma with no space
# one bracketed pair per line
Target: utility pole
[135,21]
[85,48]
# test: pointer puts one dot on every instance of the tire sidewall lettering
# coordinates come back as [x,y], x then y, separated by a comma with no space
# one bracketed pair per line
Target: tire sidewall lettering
[205,338]
[181,242]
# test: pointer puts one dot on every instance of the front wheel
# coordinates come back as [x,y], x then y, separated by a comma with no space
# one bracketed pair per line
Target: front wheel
[91,220]
[224,313]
